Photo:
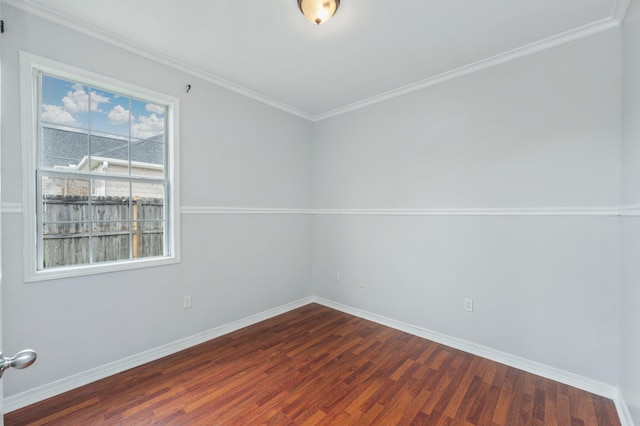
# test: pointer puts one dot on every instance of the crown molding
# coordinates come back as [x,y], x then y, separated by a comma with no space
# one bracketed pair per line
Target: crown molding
[51,15]
[529,49]
[114,39]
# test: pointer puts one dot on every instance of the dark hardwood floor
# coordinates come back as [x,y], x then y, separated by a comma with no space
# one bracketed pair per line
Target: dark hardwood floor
[315,365]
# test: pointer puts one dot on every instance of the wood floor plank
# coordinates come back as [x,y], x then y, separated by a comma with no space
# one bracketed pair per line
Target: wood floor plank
[318,366]
[475,401]
[563,404]
[485,409]
[516,399]
[463,389]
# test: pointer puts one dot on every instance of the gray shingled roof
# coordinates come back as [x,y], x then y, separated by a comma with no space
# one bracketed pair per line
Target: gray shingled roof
[64,148]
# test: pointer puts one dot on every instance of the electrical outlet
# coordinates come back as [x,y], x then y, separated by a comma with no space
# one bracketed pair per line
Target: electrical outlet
[187,302]
[468,305]
[361,283]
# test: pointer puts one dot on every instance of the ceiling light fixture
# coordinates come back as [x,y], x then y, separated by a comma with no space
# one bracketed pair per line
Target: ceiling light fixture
[318,11]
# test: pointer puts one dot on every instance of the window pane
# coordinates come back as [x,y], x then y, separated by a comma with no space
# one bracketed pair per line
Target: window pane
[150,198]
[148,120]
[109,113]
[147,157]
[66,249]
[108,209]
[65,216]
[63,149]
[148,239]
[110,241]
[65,199]
[114,188]
[148,216]
[64,103]
[109,154]
[69,188]
[148,139]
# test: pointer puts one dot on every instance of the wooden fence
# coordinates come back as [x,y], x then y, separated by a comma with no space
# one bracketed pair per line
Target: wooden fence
[115,227]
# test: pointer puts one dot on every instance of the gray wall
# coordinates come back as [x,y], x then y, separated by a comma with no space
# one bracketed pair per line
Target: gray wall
[539,132]
[630,282]
[235,152]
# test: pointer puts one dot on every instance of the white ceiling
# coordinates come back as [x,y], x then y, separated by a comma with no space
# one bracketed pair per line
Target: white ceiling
[369,48]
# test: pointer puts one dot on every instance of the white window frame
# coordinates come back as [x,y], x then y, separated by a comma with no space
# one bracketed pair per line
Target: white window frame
[30,66]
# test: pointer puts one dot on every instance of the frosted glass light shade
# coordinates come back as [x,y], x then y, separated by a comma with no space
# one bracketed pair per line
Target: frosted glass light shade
[318,11]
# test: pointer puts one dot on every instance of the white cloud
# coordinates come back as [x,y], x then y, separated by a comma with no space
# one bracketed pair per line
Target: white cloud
[146,127]
[78,100]
[155,109]
[57,114]
[118,115]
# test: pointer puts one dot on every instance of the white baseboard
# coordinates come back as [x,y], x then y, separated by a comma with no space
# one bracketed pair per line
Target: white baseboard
[571,379]
[623,410]
[32,396]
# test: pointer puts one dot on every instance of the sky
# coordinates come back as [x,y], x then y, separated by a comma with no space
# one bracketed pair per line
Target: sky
[66,104]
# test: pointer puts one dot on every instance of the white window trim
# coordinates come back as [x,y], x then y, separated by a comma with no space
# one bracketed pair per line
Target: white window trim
[29,65]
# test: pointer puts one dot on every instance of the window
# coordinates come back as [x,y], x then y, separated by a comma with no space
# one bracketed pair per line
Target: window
[100,174]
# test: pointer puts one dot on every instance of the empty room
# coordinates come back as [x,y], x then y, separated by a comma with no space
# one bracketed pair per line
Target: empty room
[320,212]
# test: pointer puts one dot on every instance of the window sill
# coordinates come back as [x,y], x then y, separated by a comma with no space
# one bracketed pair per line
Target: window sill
[88,270]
